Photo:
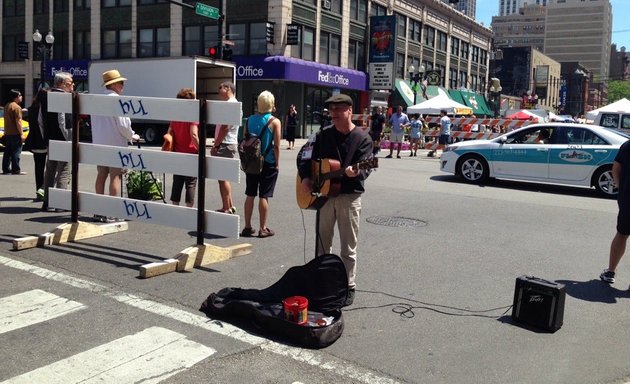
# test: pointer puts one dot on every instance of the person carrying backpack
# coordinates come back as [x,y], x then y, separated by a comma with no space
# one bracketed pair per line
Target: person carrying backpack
[269,130]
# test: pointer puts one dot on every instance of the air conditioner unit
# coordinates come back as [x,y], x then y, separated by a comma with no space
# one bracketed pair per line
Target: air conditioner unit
[326,5]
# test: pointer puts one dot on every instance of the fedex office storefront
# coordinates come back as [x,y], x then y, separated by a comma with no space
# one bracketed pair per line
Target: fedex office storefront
[293,81]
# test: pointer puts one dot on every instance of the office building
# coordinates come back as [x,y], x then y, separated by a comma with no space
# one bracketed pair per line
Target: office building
[508,7]
[467,7]
[525,28]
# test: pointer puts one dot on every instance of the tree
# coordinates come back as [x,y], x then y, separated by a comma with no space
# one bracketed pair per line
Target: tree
[617,90]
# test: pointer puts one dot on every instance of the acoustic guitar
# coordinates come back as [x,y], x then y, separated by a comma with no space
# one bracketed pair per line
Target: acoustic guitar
[327,173]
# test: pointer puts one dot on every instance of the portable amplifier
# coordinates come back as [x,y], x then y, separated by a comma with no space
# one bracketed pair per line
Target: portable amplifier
[539,303]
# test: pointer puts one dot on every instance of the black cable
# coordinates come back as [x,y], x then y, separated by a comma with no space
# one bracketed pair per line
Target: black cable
[406,310]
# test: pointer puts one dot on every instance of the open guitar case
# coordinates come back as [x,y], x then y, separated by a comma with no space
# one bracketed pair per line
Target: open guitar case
[323,281]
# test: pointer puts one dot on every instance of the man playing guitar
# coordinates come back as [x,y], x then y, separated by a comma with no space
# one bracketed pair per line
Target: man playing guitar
[347,144]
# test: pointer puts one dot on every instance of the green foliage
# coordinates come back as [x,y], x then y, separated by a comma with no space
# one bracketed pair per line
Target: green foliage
[141,186]
[617,90]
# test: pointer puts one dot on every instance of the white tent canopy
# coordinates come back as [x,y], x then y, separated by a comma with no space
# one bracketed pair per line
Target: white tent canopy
[434,105]
[622,105]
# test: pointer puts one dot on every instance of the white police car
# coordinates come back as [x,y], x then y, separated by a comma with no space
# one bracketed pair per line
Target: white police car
[558,153]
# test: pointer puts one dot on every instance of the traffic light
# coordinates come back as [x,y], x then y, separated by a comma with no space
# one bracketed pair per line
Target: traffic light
[227,53]
[213,52]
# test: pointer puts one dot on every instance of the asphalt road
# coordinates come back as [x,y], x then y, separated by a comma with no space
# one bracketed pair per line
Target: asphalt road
[437,266]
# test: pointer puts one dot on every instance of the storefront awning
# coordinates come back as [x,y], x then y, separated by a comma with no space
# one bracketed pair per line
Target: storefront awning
[404,93]
[474,100]
[292,69]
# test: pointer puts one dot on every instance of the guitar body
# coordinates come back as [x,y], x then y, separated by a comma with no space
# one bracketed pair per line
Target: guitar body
[329,187]
[326,174]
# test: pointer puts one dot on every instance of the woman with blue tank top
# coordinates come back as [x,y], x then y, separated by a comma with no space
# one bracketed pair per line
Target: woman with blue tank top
[269,130]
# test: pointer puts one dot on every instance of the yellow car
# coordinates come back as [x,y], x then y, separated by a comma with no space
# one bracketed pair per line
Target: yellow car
[24,124]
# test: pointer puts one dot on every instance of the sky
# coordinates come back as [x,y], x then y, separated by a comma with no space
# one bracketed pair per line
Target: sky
[620,8]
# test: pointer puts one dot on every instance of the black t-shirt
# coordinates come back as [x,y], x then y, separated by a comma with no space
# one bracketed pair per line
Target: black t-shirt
[377,123]
[623,158]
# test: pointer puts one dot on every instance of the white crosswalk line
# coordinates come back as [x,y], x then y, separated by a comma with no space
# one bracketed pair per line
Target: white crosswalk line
[149,356]
[33,307]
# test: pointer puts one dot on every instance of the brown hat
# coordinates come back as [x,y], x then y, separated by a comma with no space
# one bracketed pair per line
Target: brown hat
[339,98]
[111,77]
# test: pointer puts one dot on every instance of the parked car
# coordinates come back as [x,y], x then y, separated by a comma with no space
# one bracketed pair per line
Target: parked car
[24,124]
[572,154]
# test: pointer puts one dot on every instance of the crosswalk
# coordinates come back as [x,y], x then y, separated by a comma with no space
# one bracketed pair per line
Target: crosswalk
[149,356]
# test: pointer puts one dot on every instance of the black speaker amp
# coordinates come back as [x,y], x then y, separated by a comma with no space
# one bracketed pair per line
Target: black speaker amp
[539,303]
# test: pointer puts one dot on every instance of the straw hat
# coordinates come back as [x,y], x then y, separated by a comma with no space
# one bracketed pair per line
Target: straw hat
[111,77]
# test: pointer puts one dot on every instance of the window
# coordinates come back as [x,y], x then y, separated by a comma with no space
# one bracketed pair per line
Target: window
[198,38]
[258,39]
[61,48]
[323,47]
[581,136]
[334,56]
[429,36]
[80,5]
[358,10]
[400,65]
[81,49]
[463,79]
[61,6]
[415,30]
[154,42]
[454,46]
[150,2]
[452,78]
[465,49]
[401,24]
[9,47]
[442,41]
[378,10]
[115,3]
[306,48]
[116,44]
[40,7]
[237,33]
[475,54]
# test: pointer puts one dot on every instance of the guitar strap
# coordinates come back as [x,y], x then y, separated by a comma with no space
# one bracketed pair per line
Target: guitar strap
[357,135]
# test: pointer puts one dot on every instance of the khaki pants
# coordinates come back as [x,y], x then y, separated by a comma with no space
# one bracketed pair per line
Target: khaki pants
[344,210]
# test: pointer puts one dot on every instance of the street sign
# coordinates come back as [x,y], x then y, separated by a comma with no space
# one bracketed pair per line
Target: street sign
[207,11]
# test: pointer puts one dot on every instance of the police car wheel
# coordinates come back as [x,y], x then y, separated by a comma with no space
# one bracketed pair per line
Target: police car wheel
[603,181]
[473,168]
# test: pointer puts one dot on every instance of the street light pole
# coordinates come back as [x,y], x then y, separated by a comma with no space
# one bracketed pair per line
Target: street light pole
[416,77]
[44,48]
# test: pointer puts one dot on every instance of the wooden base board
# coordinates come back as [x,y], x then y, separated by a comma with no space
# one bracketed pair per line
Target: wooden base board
[194,256]
[69,232]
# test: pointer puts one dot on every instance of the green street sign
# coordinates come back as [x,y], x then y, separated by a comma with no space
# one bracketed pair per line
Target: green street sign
[207,11]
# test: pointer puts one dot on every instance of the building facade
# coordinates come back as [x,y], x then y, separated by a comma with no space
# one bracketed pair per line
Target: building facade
[508,7]
[467,7]
[332,40]
[525,28]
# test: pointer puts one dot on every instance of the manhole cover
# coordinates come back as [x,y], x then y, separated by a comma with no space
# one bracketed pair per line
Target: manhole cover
[394,221]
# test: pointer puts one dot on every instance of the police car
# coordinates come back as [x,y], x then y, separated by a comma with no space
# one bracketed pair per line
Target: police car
[557,153]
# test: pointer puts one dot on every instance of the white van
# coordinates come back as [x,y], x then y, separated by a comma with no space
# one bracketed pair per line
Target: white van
[616,120]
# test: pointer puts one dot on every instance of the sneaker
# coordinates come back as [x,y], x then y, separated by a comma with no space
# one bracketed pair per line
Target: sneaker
[349,298]
[266,232]
[110,220]
[607,276]
[248,232]
[411,154]
[398,157]
[233,210]
[99,218]
[388,156]
[40,194]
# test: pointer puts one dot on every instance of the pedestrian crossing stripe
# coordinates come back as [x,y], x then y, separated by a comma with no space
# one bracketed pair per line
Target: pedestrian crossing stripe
[33,307]
[149,356]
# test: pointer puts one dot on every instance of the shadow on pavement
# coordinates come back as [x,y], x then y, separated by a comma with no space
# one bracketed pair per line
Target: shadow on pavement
[594,290]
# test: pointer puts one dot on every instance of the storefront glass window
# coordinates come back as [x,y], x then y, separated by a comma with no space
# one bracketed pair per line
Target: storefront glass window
[258,40]
[334,52]
[237,34]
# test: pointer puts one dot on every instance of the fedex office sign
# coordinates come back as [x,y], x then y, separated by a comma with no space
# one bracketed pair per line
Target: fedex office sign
[330,78]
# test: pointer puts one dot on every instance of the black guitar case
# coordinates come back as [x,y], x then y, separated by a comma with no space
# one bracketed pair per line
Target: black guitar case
[323,281]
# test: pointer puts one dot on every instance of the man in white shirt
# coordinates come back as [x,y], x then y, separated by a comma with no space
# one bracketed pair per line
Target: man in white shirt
[114,131]
[226,145]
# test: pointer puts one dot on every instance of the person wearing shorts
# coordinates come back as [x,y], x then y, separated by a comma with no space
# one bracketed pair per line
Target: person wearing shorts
[397,121]
[262,184]
[445,132]
[621,178]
